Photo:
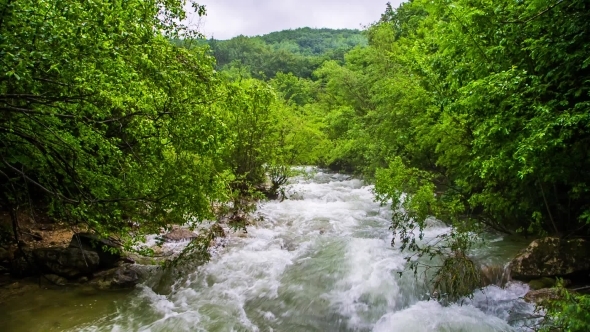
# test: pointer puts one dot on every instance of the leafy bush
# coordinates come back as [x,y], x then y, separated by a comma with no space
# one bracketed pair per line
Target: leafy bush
[570,313]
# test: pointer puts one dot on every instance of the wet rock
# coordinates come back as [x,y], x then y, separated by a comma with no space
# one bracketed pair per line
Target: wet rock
[126,276]
[542,283]
[493,275]
[66,262]
[23,264]
[550,257]
[143,260]
[540,296]
[218,231]
[5,255]
[108,250]
[128,260]
[547,283]
[179,234]
[56,280]
[14,285]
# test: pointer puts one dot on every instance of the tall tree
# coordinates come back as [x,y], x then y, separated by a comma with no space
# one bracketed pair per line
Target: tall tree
[102,119]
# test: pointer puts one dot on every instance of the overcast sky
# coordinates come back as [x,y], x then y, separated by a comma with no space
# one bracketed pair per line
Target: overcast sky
[229,18]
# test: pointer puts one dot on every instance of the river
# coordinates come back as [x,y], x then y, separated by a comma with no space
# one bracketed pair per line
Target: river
[318,261]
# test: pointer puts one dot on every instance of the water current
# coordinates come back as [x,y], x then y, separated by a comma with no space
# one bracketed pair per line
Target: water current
[318,261]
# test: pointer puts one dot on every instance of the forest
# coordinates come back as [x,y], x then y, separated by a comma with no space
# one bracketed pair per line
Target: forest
[474,112]
[300,51]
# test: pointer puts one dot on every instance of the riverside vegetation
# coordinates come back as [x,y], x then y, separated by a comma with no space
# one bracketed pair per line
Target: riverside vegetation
[123,120]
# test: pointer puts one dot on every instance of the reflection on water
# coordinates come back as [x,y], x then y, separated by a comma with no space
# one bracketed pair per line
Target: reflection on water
[42,309]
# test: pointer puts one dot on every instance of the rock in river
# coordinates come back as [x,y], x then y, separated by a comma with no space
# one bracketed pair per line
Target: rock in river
[66,262]
[541,295]
[125,276]
[179,234]
[108,251]
[550,257]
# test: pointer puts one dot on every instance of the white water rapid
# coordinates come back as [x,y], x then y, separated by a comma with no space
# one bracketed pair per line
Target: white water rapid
[318,261]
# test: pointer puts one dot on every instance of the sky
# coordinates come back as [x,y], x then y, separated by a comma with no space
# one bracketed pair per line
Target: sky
[229,18]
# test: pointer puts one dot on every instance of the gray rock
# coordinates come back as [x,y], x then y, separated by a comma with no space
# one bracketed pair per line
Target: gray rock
[108,250]
[550,257]
[56,280]
[541,295]
[126,276]
[542,283]
[66,262]
[4,255]
[179,234]
[23,264]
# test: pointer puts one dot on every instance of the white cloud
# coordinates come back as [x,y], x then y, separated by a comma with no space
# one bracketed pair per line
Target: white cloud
[229,18]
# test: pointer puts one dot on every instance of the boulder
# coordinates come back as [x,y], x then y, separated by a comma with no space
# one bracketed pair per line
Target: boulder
[23,264]
[5,255]
[179,234]
[108,251]
[66,262]
[551,257]
[541,295]
[56,280]
[542,283]
[125,276]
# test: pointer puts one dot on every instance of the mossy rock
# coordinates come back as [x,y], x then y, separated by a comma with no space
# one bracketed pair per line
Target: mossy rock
[542,283]
[108,250]
[551,257]
[541,296]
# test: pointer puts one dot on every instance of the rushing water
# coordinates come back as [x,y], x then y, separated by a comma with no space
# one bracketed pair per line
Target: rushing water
[318,261]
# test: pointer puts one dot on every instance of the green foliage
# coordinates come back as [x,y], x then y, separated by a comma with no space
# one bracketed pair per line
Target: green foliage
[298,51]
[106,122]
[482,106]
[569,313]
[456,278]
[102,118]
[251,116]
[308,41]
[472,112]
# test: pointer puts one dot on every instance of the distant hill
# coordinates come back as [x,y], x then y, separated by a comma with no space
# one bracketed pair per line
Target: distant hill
[310,41]
[299,51]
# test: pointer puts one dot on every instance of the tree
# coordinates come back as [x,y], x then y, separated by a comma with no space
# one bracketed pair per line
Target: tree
[103,120]
[473,112]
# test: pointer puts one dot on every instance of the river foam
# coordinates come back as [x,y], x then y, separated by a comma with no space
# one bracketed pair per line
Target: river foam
[320,260]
